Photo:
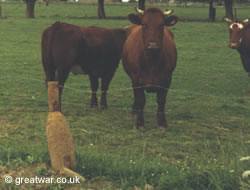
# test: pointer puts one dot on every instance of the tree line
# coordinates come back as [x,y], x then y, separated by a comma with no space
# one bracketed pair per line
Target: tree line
[30,8]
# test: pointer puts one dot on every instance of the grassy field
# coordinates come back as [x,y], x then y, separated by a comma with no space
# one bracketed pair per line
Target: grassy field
[208,109]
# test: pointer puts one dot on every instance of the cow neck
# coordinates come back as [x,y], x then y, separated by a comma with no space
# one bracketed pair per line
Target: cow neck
[244,51]
[245,58]
[245,47]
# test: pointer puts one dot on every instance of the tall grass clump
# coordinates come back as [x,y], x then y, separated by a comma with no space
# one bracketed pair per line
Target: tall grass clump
[161,175]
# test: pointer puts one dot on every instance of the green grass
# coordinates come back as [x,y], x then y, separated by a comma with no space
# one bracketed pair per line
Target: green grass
[208,108]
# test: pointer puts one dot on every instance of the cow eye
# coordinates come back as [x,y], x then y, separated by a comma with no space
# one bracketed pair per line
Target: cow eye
[144,25]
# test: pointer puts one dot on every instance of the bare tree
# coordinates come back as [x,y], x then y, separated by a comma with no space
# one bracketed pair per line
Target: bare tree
[212,11]
[141,4]
[30,8]
[229,8]
[100,11]
[185,3]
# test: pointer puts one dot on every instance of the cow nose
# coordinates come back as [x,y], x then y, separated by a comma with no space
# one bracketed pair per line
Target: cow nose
[153,45]
[233,45]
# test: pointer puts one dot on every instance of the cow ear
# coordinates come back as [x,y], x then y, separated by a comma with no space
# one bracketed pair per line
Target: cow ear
[135,19]
[171,21]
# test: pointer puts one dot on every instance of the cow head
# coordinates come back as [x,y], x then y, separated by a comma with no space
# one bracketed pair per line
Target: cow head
[153,21]
[237,31]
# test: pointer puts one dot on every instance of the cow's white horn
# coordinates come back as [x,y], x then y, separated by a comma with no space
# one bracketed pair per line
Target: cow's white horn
[139,11]
[228,20]
[246,20]
[166,13]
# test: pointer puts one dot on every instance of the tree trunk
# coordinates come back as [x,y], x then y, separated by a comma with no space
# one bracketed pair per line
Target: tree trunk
[30,8]
[141,4]
[185,3]
[101,12]
[212,11]
[229,8]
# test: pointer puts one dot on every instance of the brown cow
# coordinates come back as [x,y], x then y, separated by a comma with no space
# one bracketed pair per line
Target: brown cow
[240,40]
[82,50]
[149,58]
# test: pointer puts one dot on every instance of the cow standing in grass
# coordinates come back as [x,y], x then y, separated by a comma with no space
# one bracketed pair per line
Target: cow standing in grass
[149,58]
[82,50]
[240,40]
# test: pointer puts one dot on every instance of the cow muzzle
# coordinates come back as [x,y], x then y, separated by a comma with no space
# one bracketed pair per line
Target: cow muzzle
[152,49]
[152,46]
[235,45]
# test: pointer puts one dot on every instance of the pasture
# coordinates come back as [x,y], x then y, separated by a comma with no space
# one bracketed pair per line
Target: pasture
[208,109]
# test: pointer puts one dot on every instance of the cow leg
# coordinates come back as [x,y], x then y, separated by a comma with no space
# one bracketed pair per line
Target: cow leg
[48,78]
[161,101]
[135,106]
[50,74]
[105,84]
[94,87]
[139,104]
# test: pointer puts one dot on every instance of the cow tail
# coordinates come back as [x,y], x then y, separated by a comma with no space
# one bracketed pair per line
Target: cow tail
[47,57]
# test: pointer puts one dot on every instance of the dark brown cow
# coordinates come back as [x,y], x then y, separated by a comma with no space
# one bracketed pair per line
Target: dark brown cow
[82,50]
[240,40]
[149,58]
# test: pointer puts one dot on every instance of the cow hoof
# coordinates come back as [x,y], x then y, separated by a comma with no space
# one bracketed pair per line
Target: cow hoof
[93,105]
[138,127]
[104,107]
[162,126]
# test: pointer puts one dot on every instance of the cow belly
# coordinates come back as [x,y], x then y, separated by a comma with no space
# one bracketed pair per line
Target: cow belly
[76,69]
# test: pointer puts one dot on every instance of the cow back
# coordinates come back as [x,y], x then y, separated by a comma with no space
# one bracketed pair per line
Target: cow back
[94,50]
[103,48]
